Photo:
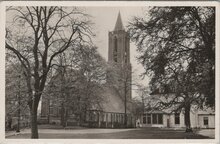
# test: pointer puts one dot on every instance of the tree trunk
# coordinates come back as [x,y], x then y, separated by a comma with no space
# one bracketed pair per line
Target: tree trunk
[34,128]
[33,105]
[62,115]
[85,116]
[187,118]
[48,116]
[125,105]
[125,114]
[80,118]
[66,117]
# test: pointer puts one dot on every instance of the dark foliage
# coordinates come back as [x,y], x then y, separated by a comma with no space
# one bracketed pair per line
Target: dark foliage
[177,50]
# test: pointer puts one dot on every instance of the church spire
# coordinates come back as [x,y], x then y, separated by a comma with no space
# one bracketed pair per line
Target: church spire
[119,25]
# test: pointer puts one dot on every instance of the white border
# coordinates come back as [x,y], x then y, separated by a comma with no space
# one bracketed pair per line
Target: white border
[109,4]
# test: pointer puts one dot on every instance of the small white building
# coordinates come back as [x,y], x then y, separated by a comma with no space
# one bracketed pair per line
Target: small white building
[168,118]
[198,119]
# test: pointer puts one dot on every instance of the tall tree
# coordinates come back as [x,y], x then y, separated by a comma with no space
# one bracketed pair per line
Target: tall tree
[15,93]
[37,35]
[77,82]
[93,67]
[177,47]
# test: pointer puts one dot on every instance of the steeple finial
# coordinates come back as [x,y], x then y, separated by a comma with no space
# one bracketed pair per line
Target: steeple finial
[119,25]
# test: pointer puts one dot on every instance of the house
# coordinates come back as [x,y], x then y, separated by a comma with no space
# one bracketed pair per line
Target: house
[168,118]
[199,119]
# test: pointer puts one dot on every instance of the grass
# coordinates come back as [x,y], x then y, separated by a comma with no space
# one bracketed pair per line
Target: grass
[141,133]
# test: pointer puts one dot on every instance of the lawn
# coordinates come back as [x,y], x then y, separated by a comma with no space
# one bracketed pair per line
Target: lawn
[140,133]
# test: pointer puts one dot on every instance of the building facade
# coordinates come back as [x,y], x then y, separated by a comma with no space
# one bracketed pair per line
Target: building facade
[198,119]
[169,119]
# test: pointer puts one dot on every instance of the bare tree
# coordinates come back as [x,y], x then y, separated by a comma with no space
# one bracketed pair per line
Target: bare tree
[37,35]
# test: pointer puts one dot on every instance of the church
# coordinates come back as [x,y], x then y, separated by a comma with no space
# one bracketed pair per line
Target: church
[116,111]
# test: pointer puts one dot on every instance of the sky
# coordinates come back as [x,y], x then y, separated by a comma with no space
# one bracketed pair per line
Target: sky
[104,19]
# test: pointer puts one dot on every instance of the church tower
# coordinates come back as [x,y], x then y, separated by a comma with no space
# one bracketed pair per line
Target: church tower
[119,57]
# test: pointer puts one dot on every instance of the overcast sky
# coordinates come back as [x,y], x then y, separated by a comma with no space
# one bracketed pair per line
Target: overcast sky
[104,19]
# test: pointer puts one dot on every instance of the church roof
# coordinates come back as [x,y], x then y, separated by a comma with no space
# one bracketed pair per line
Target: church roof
[119,24]
[112,102]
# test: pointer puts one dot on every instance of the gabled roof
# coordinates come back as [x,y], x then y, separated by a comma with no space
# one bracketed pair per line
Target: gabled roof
[119,24]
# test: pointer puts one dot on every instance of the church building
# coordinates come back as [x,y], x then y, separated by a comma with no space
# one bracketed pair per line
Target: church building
[116,109]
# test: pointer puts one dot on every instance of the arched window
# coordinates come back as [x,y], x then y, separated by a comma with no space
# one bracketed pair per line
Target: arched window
[115,49]
[126,54]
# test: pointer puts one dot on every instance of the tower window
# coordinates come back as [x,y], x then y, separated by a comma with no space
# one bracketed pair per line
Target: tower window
[126,57]
[115,53]
[126,53]
[115,44]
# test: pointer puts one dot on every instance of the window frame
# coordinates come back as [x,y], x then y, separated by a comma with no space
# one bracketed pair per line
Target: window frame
[206,121]
[159,121]
[155,118]
[149,121]
[144,119]
[177,117]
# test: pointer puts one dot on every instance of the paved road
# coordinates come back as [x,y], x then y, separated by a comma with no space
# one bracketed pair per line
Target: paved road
[140,133]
